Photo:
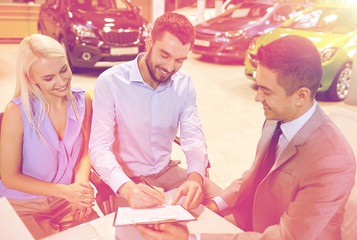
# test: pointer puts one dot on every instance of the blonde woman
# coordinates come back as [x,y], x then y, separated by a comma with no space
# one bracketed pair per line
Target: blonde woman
[44,136]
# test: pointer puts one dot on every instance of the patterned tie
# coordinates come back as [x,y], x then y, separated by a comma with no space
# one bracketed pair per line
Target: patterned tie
[269,158]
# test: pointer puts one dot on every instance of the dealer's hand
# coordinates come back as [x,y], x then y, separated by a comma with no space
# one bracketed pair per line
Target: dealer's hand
[213,206]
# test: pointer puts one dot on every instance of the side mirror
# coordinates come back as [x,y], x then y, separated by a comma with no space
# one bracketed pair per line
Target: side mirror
[279,18]
[138,9]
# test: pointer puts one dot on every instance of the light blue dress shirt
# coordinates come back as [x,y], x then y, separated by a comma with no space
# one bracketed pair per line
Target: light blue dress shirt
[133,125]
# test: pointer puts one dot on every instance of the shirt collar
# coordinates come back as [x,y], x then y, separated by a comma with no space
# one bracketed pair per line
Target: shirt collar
[290,129]
[135,75]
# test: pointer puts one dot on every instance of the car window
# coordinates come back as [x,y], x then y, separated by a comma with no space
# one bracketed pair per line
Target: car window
[246,10]
[93,5]
[283,11]
[282,14]
[336,20]
[297,9]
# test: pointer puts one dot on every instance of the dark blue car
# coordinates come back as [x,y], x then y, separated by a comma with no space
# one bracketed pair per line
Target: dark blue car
[228,35]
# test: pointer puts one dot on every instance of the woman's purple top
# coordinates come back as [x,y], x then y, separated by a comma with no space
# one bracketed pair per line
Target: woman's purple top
[55,162]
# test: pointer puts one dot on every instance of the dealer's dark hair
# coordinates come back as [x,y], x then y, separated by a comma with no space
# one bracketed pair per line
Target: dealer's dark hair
[176,24]
[296,61]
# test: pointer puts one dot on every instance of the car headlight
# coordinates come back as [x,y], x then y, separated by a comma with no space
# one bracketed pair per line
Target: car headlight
[234,34]
[252,44]
[82,31]
[327,53]
[147,30]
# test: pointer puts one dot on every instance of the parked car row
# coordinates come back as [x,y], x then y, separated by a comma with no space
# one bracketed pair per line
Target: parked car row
[239,32]
[100,33]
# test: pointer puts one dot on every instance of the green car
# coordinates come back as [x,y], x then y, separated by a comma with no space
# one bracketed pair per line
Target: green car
[333,30]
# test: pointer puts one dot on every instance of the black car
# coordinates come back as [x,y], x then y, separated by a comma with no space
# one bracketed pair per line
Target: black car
[94,32]
[228,35]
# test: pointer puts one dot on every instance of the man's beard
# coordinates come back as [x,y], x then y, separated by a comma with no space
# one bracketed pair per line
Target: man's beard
[151,68]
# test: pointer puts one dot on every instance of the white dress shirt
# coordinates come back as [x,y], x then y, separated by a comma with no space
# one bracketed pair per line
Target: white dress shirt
[133,125]
[290,129]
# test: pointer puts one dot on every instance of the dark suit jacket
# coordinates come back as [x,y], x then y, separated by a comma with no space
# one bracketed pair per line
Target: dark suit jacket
[304,195]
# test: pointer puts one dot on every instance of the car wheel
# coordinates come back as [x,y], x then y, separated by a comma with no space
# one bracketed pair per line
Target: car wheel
[339,88]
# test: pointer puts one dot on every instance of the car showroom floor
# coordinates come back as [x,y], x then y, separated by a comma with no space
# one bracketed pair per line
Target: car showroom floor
[231,119]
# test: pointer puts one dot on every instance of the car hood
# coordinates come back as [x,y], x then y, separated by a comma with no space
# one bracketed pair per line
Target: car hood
[225,24]
[320,39]
[112,19]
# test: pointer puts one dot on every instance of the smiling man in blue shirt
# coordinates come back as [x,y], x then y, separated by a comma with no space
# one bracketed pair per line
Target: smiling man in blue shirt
[138,108]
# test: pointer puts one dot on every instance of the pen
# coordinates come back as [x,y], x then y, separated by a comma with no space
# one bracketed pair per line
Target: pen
[149,184]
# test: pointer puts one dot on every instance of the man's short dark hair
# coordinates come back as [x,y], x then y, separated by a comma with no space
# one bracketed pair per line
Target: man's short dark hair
[296,61]
[176,24]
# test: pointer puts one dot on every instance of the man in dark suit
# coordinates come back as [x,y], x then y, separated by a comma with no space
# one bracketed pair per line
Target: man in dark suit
[299,191]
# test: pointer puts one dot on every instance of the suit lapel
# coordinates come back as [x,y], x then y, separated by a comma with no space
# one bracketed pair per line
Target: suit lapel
[302,135]
[264,141]
[288,153]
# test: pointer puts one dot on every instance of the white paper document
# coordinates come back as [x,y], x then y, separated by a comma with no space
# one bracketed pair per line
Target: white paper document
[165,213]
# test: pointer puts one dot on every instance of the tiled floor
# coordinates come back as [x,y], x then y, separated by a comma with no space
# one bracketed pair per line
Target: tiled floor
[231,119]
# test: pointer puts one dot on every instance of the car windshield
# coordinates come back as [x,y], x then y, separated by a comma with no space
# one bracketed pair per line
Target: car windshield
[94,5]
[335,20]
[248,11]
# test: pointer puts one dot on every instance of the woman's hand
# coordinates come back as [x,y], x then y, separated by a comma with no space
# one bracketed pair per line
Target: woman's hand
[80,195]
[80,214]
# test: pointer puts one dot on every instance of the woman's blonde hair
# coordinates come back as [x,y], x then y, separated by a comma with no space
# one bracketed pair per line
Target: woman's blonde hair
[31,49]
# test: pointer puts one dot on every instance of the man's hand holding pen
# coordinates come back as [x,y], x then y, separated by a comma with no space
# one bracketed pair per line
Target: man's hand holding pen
[145,195]
[142,195]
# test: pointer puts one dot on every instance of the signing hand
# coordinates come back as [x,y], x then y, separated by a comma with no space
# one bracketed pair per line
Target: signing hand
[164,231]
[142,196]
[192,189]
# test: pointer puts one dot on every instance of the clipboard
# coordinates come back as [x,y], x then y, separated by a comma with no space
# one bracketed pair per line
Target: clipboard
[160,214]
